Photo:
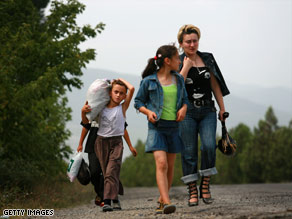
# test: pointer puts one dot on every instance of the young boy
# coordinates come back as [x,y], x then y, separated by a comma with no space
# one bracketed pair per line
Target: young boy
[109,143]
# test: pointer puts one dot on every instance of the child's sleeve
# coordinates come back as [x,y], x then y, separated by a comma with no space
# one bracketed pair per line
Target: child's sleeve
[87,126]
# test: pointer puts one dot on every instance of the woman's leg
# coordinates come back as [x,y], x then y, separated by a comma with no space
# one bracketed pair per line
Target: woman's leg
[189,156]
[208,151]
[162,175]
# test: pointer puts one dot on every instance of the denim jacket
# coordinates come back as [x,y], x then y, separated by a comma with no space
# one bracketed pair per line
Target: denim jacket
[210,62]
[150,94]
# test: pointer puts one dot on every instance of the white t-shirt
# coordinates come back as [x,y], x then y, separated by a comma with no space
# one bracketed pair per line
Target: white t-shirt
[111,122]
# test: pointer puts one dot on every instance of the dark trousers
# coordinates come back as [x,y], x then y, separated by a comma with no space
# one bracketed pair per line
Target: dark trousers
[110,152]
[96,174]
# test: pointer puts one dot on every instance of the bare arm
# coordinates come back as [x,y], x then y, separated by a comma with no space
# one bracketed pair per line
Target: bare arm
[129,143]
[129,96]
[82,137]
[187,64]
[150,114]
[218,96]
[181,113]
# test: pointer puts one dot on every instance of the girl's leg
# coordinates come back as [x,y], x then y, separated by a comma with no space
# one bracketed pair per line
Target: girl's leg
[170,161]
[162,175]
[170,171]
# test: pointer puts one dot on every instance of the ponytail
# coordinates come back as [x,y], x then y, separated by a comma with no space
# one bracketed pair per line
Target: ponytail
[157,62]
[153,65]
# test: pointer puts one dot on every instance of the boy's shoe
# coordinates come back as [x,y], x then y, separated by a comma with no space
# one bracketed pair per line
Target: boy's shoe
[168,208]
[159,209]
[106,208]
[117,206]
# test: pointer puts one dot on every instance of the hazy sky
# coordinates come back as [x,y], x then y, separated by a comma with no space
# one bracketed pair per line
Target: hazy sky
[250,39]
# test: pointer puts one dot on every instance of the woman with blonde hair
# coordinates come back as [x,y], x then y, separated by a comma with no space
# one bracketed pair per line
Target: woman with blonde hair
[202,79]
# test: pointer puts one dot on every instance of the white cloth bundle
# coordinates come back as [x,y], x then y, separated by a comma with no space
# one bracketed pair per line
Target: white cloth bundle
[97,97]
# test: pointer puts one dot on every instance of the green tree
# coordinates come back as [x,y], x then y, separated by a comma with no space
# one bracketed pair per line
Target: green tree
[40,59]
[232,169]
[140,170]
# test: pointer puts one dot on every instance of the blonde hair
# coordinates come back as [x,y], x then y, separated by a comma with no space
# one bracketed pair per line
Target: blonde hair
[187,29]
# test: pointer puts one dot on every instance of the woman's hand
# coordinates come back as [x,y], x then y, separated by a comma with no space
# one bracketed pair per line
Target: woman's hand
[188,63]
[220,115]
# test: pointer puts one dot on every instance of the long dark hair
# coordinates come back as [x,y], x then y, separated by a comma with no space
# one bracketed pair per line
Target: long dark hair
[155,63]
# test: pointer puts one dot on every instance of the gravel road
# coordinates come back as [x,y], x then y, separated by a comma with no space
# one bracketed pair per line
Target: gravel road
[231,201]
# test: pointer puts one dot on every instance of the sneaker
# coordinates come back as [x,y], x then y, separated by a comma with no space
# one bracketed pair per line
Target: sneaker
[106,208]
[117,206]
[168,208]
[159,209]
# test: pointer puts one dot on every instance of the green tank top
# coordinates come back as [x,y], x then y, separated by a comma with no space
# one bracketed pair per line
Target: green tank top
[169,102]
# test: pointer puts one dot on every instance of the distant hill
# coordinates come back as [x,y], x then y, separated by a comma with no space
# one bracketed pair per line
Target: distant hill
[246,104]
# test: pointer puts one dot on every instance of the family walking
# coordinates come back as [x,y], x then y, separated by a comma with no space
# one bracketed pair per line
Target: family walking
[175,94]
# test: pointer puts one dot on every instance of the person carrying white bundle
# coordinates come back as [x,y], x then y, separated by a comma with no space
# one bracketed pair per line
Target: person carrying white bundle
[98,97]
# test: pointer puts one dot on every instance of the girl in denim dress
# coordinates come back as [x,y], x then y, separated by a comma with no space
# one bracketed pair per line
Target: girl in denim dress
[163,99]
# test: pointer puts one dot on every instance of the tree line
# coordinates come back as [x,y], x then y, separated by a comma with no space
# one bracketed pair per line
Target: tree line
[263,155]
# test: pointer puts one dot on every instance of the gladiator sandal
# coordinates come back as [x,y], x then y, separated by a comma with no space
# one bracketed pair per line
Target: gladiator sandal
[193,194]
[205,190]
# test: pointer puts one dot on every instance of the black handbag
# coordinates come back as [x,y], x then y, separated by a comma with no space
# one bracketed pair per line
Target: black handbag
[84,173]
[227,145]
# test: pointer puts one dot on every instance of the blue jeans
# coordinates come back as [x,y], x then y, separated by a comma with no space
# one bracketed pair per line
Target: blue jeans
[198,121]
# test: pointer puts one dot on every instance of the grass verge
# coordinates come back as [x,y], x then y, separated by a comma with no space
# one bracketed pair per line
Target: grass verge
[53,194]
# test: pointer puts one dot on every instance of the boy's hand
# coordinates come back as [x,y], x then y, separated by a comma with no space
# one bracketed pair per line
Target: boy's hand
[134,151]
[80,148]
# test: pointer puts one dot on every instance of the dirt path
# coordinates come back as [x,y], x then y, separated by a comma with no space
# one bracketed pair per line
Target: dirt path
[231,201]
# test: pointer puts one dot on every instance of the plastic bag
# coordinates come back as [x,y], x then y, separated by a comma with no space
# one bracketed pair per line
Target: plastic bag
[98,97]
[74,166]
[84,173]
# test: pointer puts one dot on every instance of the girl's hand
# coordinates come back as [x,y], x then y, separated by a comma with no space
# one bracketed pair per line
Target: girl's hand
[151,116]
[86,108]
[181,113]
[134,151]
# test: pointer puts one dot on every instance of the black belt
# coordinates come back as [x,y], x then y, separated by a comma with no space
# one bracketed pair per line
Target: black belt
[198,103]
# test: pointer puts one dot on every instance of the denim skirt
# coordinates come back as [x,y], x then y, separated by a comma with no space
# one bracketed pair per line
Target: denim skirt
[163,136]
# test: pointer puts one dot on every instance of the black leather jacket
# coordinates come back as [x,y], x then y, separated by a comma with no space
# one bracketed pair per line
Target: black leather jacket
[210,62]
